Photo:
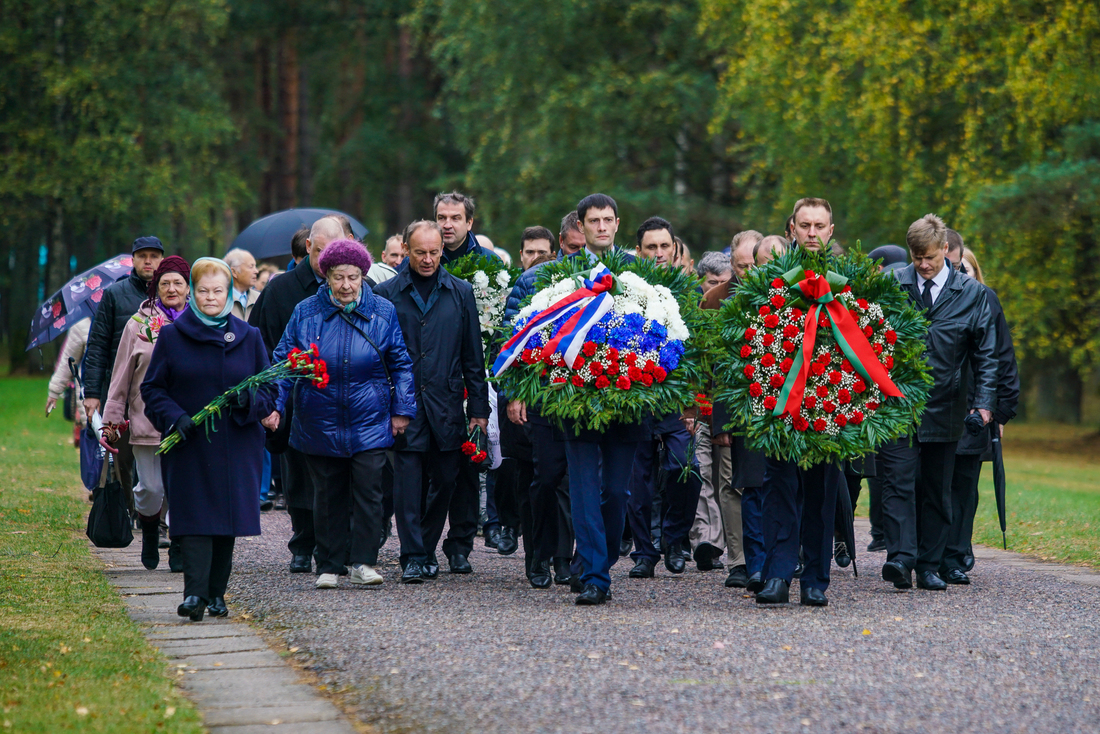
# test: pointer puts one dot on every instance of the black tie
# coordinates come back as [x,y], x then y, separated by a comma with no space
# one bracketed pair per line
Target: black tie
[926,296]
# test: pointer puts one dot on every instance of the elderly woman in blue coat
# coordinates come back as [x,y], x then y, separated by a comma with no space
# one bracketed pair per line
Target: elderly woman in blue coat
[345,429]
[211,478]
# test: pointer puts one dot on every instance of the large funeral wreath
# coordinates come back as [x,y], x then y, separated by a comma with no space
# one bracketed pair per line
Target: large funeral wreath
[822,358]
[602,343]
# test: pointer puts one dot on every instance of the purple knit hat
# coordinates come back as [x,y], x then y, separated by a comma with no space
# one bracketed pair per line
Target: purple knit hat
[345,252]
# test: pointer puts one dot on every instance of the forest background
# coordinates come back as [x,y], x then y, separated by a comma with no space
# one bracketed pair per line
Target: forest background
[188,119]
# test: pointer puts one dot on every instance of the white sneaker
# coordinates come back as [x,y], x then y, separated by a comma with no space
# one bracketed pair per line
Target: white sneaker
[364,575]
[328,581]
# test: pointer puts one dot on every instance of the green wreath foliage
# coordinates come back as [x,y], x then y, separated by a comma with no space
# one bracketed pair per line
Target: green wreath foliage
[777,436]
[596,409]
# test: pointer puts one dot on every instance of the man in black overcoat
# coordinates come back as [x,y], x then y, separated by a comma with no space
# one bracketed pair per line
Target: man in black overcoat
[438,317]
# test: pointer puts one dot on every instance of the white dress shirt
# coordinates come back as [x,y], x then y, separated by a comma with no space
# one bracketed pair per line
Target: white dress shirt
[939,280]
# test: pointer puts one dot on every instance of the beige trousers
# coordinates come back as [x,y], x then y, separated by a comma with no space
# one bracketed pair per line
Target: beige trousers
[716,470]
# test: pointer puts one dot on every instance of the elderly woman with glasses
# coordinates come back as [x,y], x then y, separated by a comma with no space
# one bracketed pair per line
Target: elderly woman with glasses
[211,478]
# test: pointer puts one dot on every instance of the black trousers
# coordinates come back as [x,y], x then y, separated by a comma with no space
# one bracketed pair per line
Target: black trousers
[551,510]
[298,491]
[786,526]
[874,498]
[347,488]
[916,500]
[207,563]
[464,511]
[421,513]
[964,506]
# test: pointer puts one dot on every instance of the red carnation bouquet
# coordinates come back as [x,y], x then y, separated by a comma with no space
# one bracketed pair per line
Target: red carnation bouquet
[298,365]
[476,448]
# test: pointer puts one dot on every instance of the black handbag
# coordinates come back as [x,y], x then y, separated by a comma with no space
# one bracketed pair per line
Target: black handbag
[109,523]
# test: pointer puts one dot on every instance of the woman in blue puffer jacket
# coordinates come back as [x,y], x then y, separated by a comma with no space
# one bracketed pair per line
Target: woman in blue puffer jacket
[345,428]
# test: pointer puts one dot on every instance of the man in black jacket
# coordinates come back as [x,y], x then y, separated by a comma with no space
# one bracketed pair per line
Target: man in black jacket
[120,302]
[438,317]
[974,449]
[916,470]
[270,315]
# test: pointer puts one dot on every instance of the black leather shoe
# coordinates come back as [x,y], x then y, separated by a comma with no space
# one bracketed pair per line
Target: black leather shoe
[280,502]
[575,584]
[876,545]
[506,544]
[674,559]
[430,570]
[413,573]
[798,569]
[931,581]
[193,608]
[968,561]
[175,557]
[492,537]
[561,571]
[706,557]
[266,506]
[625,546]
[643,569]
[301,564]
[956,576]
[896,573]
[775,591]
[756,583]
[540,575]
[738,578]
[840,554]
[591,596]
[150,544]
[459,564]
[813,598]
[217,607]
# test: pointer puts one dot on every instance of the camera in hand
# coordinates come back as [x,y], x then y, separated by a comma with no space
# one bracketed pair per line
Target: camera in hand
[974,424]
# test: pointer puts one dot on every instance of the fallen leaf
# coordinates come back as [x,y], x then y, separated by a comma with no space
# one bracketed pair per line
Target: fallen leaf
[866,632]
[81,711]
[674,632]
[293,649]
[787,647]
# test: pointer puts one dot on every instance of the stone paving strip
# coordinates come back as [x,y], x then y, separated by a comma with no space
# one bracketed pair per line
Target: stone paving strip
[238,683]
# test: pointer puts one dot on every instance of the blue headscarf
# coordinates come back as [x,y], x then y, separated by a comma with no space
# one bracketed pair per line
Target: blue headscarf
[220,320]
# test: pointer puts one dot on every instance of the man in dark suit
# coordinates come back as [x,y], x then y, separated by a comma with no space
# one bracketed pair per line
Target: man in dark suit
[270,315]
[916,470]
[439,321]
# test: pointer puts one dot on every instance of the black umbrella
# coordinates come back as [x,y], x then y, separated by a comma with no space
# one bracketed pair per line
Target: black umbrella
[999,479]
[847,515]
[270,236]
[77,299]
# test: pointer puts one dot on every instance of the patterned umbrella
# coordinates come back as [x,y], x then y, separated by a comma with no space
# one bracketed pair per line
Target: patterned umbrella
[77,299]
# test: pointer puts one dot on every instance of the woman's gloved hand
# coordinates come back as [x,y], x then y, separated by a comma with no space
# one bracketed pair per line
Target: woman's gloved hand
[185,427]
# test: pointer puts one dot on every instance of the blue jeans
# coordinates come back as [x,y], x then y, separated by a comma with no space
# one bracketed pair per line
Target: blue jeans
[599,480]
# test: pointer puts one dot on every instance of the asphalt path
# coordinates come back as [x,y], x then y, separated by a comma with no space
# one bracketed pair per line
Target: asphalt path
[1016,651]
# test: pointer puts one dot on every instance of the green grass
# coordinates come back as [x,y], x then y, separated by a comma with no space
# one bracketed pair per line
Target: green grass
[70,658]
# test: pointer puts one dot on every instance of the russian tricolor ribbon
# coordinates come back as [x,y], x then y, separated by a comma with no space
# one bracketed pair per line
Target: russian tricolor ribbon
[817,290]
[581,309]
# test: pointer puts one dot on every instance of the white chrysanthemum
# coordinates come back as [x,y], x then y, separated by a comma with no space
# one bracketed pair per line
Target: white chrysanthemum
[480,279]
[503,278]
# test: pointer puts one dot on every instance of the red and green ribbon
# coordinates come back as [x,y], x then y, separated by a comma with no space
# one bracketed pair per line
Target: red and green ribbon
[818,291]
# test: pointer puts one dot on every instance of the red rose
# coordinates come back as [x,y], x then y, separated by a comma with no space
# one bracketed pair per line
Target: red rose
[859,386]
[750,334]
[790,331]
[834,377]
[809,402]
[855,418]
[749,371]
[800,423]
[786,364]
[768,360]
[764,310]
[789,347]
[756,389]
[822,391]
[829,406]
[578,362]
[469,448]
[862,303]
[622,383]
[647,379]
[776,381]
[778,300]
[602,382]
[840,420]
[779,283]
[768,340]
[891,336]
[819,425]
[844,396]
[596,368]
[769,402]
[868,331]
[659,374]
[634,373]
[818,369]
[771,321]
[589,349]
[846,366]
